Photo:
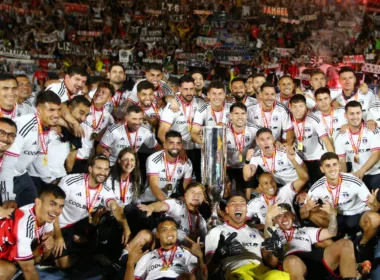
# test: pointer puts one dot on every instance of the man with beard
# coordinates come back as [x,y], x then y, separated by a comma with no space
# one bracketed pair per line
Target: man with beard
[271,159]
[239,93]
[129,134]
[332,119]
[24,103]
[169,261]
[94,126]
[117,76]
[350,92]
[360,146]
[84,193]
[286,86]
[199,84]
[33,137]
[312,139]
[8,132]
[29,225]
[236,248]
[240,137]
[185,213]
[161,89]
[210,114]
[357,208]
[254,83]
[301,259]
[165,170]
[271,194]
[271,114]
[182,121]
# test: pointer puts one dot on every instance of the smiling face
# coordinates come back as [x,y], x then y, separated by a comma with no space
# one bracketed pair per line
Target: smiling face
[217,97]
[238,90]
[194,197]
[268,96]
[49,114]
[286,86]
[354,116]
[167,234]
[317,81]
[101,97]
[75,83]
[198,81]
[24,88]
[127,163]
[173,146]
[298,110]
[268,184]
[80,112]
[331,168]
[146,97]
[285,221]
[323,102]
[187,91]
[236,209]
[238,117]
[8,94]
[347,80]
[49,207]
[134,120]
[265,141]
[257,83]
[154,76]
[99,170]
[7,136]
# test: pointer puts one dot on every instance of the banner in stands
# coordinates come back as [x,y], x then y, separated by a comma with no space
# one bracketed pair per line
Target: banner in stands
[202,12]
[198,63]
[14,53]
[47,38]
[275,11]
[76,8]
[89,33]
[353,59]
[308,17]
[207,41]
[289,20]
[125,56]
[371,68]
[284,52]
[10,8]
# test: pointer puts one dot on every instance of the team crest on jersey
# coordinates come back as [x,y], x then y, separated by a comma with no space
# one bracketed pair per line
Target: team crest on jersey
[247,139]
[335,120]
[179,255]
[365,140]
[361,102]
[346,194]
[307,129]
[252,235]
[280,162]
[139,139]
[275,118]
[179,170]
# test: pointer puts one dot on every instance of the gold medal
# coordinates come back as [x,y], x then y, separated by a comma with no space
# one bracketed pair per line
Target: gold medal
[45,160]
[300,146]
[356,159]
[240,157]
[331,140]
[94,135]
[89,219]
[189,127]
[165,267]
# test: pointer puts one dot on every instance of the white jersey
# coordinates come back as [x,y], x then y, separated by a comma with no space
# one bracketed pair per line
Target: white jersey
[117,101]
[75,203]
[258,207]
[150,112]
[205,116]
[116,138]
[374,112]
[57,154]
[248,101]
[239,142]
[312,133]
[190,223]
[334,94]
[333,124]
[310,102]
[179,122]
[19,110]
[353,194]
[364,99]
[28,142]
[302,239]
[283,170]
[155,166]
[61,90]
[150,265]
[25,232]
[370,141]
[278,120]
[114,185]
[9,161]
[162,91]
[103,120]
[250,238]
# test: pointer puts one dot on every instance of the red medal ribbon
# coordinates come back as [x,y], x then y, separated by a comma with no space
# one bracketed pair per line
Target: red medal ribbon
[41,136]
[301,131]
[336,199]
[239,144]
[13,112]
[124,185]
[289,237]
[269,201]
[95,125]
[214,115]
[331,128]
[266,122]
[37,230]
[356,148]
[90,206]
[116,102]
[189,116]
[191,222]
[161,254]
[273,157]
[134,145]
[169,176]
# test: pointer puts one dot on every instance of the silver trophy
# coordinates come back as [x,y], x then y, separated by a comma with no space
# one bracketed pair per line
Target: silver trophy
[214,159]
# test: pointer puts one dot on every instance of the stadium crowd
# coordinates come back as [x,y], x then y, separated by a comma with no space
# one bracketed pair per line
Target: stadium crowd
[100,159]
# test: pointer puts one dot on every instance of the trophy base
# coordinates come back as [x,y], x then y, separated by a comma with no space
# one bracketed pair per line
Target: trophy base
[214,220]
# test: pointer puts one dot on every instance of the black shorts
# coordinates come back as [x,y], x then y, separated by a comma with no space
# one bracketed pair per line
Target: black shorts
[349,224]
[317,269]
[82,228]
[372,181]
[236,174]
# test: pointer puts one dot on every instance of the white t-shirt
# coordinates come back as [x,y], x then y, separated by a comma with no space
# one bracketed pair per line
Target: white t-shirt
[353,194]
[234,141]
[284,171]
[189,223]
[116,139]
[75,203]
[149,266]
[374,112]
[250,238]
[258,206]
[248,102]
[178,120]
[311,133]
[370,141]
[118,100]
[129,192]
[302,241]
[103,120]
[205,117]
[155,166]
[162,91]
[338,120]
[61,90]
[6,175]
[310,102]
[364,99]
[278,121]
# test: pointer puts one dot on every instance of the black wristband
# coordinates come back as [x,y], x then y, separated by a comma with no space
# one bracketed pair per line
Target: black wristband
[247,161]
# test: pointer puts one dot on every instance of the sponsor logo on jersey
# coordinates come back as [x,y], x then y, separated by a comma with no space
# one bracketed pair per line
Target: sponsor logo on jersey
[247,139]
[79,194]
[31,153]
[179,170]
[280,162]
[335,120]
[139,139]
[365,140]
[252,235]
[345,194]
[256,118]
[307,129]
[275,118]
[179,255]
